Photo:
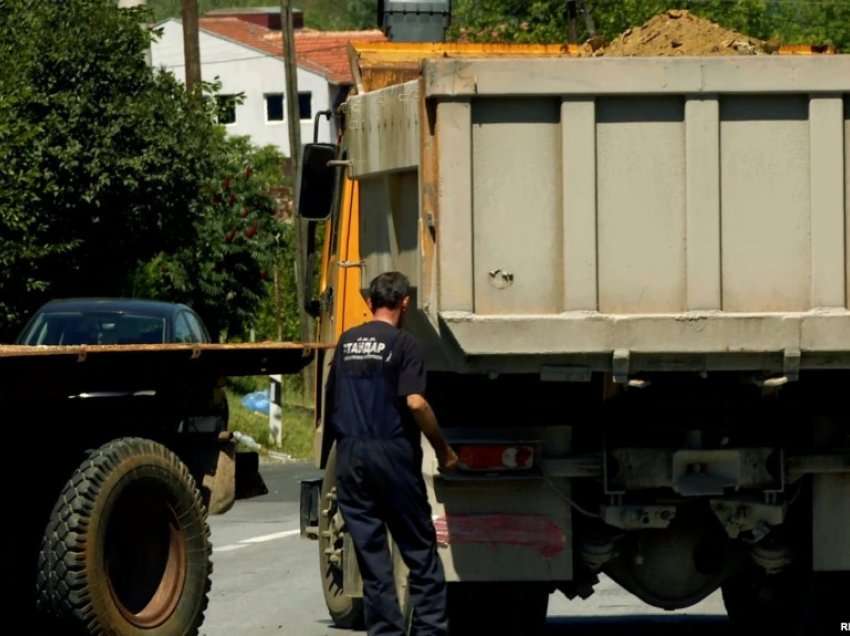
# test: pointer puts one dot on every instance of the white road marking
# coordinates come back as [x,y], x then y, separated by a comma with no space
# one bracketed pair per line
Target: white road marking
[230,548]
[254,540]
[272,537]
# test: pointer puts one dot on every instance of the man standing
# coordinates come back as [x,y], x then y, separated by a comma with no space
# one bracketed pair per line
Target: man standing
[377,411]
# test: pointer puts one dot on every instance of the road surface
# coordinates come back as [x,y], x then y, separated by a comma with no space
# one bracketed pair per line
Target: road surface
[266,581]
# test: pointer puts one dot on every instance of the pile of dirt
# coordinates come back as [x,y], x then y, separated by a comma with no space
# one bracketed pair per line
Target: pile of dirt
[680,32]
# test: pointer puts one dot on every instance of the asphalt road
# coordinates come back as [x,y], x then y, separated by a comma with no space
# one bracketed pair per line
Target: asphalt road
[266,581]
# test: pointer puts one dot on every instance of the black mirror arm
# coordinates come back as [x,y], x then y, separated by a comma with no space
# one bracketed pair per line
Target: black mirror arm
[311,305]
[327,114]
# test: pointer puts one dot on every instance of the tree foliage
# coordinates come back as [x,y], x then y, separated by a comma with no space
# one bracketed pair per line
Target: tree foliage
[112,178]
[318,14]
[790,21]
[226,270]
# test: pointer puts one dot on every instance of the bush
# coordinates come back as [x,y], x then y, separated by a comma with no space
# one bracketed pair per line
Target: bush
[115,181]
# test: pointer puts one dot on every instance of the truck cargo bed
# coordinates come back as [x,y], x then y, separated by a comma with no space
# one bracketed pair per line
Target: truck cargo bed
[670,214]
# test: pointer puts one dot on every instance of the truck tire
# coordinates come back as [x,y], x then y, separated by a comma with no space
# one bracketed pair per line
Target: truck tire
[126,551]
[518,609]
[797,603]
[775,602]
[345,611]
[829,607]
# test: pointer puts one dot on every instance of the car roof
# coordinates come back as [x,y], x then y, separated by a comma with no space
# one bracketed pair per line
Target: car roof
[113,305]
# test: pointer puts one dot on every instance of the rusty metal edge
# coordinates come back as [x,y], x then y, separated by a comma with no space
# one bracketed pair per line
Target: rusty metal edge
[26,351]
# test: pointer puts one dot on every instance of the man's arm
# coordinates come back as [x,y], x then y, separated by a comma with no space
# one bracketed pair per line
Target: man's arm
[424,416]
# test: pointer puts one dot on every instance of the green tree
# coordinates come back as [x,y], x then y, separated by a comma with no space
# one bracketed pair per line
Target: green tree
[790,21]
[225,273]
[109,170]
[318,14]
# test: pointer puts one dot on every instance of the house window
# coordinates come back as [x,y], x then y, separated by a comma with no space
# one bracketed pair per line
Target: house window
[274,107]
[305,105]
[226,105]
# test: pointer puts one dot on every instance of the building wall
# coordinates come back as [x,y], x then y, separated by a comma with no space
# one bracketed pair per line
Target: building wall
[241,69]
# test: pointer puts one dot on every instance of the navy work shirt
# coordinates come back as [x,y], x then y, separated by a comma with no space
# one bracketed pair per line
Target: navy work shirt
[375,367]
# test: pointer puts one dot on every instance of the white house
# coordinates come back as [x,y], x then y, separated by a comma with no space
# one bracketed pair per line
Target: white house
[244,53]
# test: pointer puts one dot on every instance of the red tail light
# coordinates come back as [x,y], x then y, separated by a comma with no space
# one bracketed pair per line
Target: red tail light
[495,457]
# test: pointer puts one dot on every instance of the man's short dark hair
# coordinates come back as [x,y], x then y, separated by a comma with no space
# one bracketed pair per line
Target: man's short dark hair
[388,290]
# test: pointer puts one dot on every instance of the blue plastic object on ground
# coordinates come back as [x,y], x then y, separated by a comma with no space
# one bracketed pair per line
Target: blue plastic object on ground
[258,401]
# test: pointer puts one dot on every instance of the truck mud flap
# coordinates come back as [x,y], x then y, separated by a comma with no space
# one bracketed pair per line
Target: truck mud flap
[249,482]
[311,493]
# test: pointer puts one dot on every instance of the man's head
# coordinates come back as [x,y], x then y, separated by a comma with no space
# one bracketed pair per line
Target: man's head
[389,296]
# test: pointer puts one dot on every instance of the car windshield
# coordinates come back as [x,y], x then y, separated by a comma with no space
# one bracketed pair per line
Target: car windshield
[76,328]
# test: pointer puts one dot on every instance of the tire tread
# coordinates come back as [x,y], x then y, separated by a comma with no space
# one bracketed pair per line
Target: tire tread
[62,590]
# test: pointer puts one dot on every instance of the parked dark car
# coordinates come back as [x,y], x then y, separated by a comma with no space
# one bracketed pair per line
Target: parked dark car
[190,403]
[111,321]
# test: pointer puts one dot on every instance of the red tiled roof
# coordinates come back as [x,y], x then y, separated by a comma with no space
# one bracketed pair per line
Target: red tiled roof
[322,52]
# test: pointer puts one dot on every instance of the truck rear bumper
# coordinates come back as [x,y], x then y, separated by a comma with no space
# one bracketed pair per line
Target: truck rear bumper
[704,340]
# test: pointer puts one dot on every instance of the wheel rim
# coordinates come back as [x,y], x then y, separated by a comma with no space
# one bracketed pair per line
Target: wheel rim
[145,552]
[331,541]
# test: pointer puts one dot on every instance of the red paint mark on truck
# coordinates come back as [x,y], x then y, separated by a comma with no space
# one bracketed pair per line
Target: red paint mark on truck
[537,532]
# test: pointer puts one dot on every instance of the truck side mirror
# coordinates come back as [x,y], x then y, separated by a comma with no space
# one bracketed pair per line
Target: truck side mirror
[315,198]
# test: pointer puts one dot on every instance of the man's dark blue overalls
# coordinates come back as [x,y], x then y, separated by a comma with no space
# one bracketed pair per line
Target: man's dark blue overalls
[379,477]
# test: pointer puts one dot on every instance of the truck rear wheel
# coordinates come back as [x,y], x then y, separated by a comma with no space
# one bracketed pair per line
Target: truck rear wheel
[345,611]
[795,602]
[774,602]
[126,551]
[518,609]
[830,606]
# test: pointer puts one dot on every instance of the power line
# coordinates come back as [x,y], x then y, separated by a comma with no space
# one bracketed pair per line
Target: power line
[234,59]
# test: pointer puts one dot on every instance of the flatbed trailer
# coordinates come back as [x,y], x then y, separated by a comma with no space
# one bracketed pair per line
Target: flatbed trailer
[115,457]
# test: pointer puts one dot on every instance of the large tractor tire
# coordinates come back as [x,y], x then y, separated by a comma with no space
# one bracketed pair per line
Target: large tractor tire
[126,551]
[345,611]
[499,609]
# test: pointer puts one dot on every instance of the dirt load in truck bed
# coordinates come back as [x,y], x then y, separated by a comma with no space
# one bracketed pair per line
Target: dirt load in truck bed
[679,32]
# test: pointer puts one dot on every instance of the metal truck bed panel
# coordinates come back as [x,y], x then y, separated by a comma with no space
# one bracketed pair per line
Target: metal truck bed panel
[581,206]
[56,372]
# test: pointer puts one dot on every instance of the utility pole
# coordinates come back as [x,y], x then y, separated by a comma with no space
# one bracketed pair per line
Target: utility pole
[573,8]
[132,4]
[191,45]
[572,18]
[293,115]
[290,67]
[588,20]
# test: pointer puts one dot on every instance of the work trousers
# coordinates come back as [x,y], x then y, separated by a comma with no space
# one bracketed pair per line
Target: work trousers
[379,489]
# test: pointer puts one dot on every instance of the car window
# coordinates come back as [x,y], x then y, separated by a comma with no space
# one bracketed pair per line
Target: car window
[182,331]
[92,328]
[198,331]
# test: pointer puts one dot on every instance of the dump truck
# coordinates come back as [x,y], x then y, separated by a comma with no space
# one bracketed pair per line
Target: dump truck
[631,282]
[116,455]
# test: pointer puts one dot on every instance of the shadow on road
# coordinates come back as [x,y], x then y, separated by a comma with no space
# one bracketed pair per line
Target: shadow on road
[692,625]
[638,626]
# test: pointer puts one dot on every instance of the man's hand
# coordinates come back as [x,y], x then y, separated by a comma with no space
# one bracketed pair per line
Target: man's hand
[427,422]
[447,459]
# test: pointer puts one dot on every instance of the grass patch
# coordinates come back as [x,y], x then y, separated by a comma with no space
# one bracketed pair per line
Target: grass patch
[293,387]
[297,427]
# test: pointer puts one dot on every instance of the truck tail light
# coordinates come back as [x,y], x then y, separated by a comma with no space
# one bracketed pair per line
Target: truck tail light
[495,457]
